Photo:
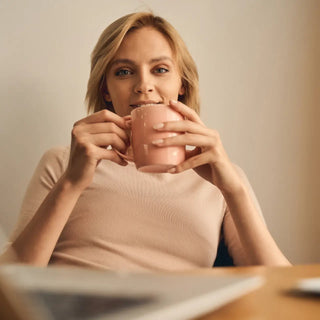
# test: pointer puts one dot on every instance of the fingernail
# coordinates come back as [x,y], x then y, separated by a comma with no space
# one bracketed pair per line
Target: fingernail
[174,101]
[158,126]
[159,141]
[172,170]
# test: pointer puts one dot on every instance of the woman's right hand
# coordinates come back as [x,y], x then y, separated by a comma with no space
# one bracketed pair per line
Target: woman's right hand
[90,138]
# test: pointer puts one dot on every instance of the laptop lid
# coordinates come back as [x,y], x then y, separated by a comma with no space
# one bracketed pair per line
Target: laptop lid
[73,293]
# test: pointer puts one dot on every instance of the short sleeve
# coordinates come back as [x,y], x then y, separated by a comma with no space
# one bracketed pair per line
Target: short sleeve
[48,171]
[230,233]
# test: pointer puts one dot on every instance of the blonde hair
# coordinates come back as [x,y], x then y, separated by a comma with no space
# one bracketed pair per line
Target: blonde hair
[110,41]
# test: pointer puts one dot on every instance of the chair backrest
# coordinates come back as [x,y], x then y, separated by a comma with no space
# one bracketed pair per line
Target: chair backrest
[223,258]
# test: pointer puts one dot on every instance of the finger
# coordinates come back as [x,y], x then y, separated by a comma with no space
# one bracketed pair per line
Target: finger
[191,163]
[185,111]
[104,154]
[192,153]
[128,121]
[184,126]
[106,127]
[108,139]
[103,116]
[196,140]
[128,117]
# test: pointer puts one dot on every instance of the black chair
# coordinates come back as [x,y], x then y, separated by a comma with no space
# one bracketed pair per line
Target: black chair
[223,258]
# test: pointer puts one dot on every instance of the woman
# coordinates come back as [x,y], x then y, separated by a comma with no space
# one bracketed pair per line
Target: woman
[99,211]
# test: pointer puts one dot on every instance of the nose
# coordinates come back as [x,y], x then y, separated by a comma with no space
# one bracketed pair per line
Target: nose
[144,84]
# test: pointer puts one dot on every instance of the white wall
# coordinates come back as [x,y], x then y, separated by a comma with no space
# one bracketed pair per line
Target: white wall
[259,71]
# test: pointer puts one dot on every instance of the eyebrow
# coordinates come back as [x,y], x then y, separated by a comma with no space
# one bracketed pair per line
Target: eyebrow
[129,61]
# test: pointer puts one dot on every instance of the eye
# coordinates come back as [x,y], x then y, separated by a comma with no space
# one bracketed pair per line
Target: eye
[161,70]
[123,72]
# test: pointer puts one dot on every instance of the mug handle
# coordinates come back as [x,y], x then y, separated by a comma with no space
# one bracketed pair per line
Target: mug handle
[121,155]
[125,157]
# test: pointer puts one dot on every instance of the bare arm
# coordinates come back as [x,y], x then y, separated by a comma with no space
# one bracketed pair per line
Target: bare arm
[35,244]
[257,242]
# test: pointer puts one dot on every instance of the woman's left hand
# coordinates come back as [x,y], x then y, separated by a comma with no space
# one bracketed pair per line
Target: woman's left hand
[208,159]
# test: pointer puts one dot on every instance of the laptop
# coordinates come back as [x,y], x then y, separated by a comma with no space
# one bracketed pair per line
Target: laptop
[61,293]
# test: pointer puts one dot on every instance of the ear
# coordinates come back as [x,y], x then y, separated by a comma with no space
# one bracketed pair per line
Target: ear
[182,90]
[104,90]
[107,96]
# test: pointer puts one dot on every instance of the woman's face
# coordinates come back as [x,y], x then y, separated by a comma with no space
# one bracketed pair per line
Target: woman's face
[143,71]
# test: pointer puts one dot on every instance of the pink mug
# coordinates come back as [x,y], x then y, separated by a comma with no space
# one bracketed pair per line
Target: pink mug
[146,156]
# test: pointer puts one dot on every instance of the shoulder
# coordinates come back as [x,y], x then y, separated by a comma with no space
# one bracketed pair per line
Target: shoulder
[244,177]
[56,153]
[53,163]
[56,156]
[239,170]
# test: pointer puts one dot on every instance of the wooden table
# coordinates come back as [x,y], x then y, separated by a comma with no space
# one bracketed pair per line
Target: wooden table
[273,300]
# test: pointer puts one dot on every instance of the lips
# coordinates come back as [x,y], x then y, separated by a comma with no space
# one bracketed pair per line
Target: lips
[144,103]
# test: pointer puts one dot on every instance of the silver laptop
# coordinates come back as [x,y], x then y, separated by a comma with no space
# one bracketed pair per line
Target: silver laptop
[73,293]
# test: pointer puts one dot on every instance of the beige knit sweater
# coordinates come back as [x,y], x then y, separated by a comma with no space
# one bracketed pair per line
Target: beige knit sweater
[129,220]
